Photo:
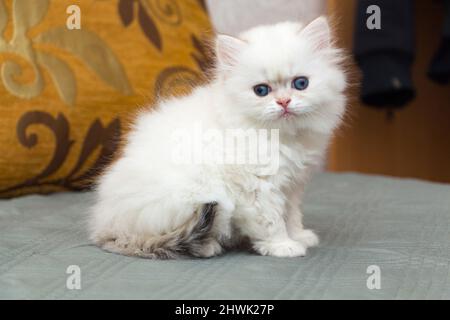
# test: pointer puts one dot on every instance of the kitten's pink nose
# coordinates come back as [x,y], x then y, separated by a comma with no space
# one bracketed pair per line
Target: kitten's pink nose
[284,102]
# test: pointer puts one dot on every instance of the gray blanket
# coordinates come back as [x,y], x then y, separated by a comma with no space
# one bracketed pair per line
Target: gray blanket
[381,238]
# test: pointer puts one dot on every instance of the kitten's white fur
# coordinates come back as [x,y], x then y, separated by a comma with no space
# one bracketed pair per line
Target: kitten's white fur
[144,196]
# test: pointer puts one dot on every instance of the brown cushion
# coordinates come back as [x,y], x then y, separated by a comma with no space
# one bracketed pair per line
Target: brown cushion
[65,95]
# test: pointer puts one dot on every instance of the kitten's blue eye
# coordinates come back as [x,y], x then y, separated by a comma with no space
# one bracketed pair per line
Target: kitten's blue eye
[300,83]
[261,90]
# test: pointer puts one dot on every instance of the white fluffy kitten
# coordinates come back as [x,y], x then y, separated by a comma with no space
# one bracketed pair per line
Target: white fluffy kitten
[284,76]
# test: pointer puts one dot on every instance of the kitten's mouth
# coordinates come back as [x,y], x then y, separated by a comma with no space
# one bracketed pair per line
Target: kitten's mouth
[287,114]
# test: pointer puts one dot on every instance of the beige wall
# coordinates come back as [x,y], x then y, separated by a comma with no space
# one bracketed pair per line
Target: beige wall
[234,16]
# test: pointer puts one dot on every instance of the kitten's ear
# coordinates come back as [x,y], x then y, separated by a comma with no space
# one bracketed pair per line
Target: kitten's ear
[318,32]
[227,49]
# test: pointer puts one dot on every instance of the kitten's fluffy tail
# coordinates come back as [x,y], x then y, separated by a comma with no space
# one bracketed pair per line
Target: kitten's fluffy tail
[192,238]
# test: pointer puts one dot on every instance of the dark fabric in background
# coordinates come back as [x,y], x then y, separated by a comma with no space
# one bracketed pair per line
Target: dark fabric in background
[385,55]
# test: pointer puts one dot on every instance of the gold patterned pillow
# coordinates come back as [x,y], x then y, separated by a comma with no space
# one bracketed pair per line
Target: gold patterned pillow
[72,71]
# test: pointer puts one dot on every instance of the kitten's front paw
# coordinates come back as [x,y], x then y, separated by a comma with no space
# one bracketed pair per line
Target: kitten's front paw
[282,249]
[307,237]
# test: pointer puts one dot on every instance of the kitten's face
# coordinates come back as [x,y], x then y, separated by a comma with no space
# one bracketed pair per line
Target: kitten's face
[284,76]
